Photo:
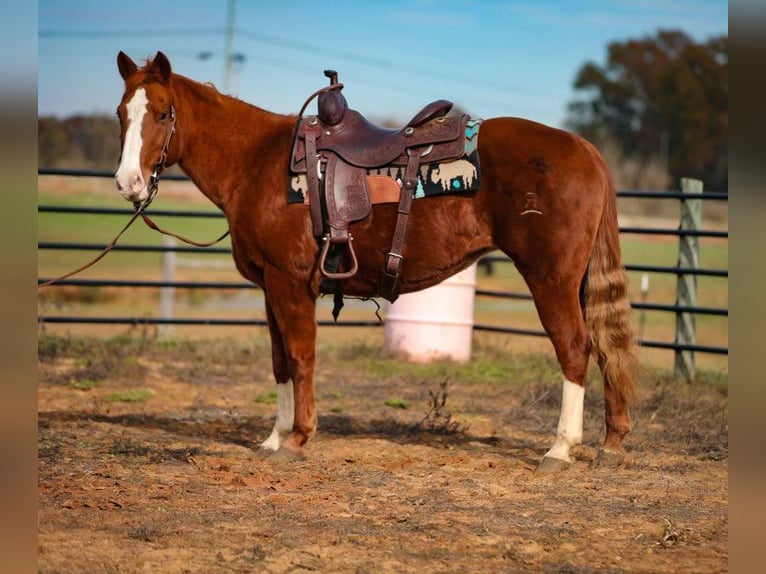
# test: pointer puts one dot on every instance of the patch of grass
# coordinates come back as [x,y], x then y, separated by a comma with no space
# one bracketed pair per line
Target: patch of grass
[718,380]
[130,356]
[397,404]
[652,376]
[336,409]
[84,384]
[131,396]
[47,449]
[485,366]
[49,347]
[269,398]
[354,350]
[97,359]
[694,416]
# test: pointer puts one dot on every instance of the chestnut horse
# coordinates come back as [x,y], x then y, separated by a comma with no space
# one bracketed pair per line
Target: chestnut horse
[546,199]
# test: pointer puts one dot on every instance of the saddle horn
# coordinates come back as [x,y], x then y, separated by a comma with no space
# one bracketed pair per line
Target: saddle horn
[333,75]
[332,104]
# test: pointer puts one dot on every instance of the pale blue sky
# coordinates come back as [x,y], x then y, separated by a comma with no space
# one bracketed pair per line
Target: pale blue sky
[492,58]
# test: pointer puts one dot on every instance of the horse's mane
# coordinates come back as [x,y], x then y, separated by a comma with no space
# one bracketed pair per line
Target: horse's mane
[207,90]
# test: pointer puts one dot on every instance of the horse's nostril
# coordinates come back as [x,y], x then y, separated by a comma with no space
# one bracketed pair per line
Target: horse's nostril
[137,183]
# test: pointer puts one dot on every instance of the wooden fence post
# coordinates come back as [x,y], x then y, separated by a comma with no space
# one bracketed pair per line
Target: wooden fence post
[686,289]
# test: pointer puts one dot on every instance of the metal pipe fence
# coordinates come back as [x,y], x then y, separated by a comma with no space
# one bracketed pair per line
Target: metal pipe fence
[680,308]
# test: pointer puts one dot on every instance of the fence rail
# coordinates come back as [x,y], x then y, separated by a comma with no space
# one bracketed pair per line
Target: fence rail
[678,309]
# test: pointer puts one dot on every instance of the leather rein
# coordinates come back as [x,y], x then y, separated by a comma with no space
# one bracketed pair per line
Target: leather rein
[140,208]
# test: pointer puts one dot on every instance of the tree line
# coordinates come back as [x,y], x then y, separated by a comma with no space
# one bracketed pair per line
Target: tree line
[79,142]
[658,108]
[662,99]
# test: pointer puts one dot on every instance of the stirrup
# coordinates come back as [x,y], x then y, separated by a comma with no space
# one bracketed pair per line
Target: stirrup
[323,258]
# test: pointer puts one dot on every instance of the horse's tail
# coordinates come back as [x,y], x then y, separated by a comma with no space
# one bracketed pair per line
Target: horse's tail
[607,308]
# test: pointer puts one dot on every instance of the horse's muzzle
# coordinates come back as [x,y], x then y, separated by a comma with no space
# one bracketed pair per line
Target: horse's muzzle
[131,187]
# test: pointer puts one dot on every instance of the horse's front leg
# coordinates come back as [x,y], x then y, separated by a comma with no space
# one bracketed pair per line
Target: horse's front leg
[292,325]
[283,426]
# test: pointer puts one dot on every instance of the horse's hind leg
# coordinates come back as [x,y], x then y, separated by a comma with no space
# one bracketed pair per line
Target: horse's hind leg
[558,306]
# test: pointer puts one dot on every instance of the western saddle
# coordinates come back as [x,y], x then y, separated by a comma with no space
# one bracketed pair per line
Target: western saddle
[335,150]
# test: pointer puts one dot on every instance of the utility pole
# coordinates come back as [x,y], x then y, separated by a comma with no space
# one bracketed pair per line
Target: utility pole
[229,43]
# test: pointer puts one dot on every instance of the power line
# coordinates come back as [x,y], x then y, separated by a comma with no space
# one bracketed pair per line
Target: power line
[95,34]
[314,49]
[386,65]
[305,47]
[393,69]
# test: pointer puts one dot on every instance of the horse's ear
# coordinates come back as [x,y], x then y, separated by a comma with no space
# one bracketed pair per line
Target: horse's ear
[126,66]
[161,65]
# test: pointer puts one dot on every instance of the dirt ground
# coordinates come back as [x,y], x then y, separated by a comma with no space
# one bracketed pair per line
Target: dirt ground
[146,464]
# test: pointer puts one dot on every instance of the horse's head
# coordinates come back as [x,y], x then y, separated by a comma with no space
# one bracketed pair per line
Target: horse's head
[147,118]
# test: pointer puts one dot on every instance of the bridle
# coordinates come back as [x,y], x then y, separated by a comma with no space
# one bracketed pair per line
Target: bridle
[159,167]
[140,208]
[154,184]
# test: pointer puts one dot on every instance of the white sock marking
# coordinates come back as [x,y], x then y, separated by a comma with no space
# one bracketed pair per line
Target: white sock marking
[569,432]
[130,180]
[285,416]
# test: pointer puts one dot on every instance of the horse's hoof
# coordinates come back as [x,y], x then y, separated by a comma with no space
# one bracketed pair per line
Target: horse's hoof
[550,465]
[608,459]
[286,455]
[262,453]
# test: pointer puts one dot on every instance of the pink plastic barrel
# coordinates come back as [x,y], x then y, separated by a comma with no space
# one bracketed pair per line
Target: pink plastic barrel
[434,323]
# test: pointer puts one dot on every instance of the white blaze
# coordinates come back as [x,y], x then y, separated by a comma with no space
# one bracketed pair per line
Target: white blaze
[130,180]
[285,417]
[569,432]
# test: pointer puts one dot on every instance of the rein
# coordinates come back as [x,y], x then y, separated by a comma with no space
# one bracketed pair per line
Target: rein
[140,207]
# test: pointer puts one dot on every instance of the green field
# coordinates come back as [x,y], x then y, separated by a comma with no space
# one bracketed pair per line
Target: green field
[138,302]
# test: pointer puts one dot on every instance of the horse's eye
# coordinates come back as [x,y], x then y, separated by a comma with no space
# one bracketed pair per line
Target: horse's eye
[163,116]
